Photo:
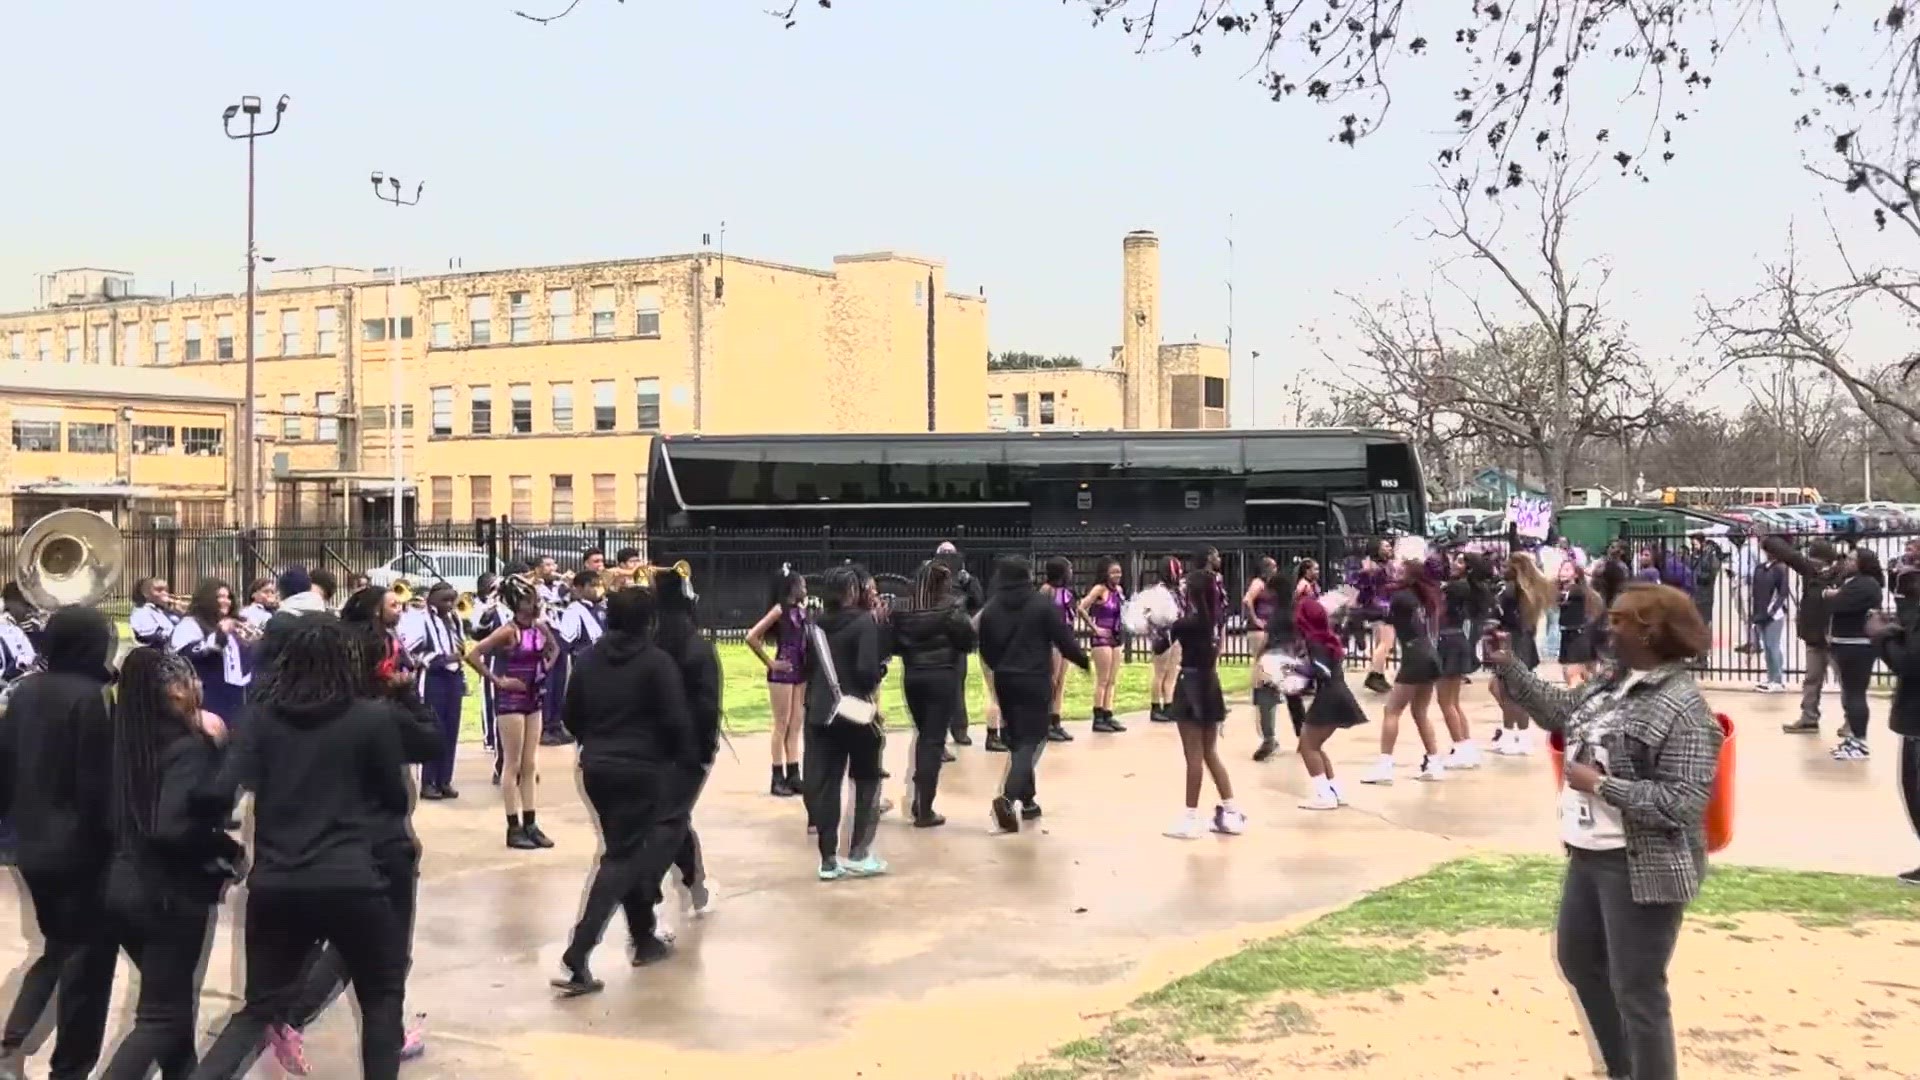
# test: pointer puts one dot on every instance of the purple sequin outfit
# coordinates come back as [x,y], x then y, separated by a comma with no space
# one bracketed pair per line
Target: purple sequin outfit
[526,661]
[792,648]
[1106,618]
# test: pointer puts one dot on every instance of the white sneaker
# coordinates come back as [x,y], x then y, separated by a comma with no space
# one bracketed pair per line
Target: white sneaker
[1321,800]
[700,899]
[1339,793]
[1463,757]
[1229,822]
[1382,774]
[1431,768]
[1186,827]
[663,927]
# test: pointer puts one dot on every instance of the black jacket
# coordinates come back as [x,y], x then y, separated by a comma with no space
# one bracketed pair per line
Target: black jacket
[1019,630]
[1815,579]
[1769,592]
[1706,570]
[187,852]
[965,585]
[860,649]
[1848,609]
[934,640]
[56,755]
[328,785]
[699,664]
[1900,648]
[627,704]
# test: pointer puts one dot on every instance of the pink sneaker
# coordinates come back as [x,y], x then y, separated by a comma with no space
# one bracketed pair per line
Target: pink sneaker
[415,1044]
[289,1049]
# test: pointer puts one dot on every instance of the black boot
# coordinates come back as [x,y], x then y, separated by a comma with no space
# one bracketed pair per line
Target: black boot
[995,744]
[793,780]
[517,837]
[576,980]
[1377,682]
[1159,714]
[533,831]
[1104,722]
[1055,732]
[778,785]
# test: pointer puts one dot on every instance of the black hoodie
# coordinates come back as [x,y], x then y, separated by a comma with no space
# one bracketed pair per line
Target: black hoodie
[936,638]
[56,753]
[1019,630]
[1900,648]
[328,782]
[859,656]
[627,705]
[1815,578]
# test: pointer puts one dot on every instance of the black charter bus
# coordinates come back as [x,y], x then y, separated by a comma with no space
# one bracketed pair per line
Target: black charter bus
[1335,480]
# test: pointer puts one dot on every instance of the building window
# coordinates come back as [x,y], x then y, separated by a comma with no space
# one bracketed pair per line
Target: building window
[480,413]
[560,308]
[291,427]
[90,438]
[377,417]
[1020,410]
[520,316]
[603,508]
[603,406]
[17,345]
[162,346]
[480,320]
[1046,407]
[373,329]
[520,401]
[259,333]
[646,316]
[36,436]
[327,428]
[562,501]
[43,346]
[603,311]
[203,441]
[442,488]
[153,438]
[290,332]
[640,495]
[442,411]
[1213,392]
[103,343]
[441,312]
[327,337]
[480,496]
[646,393]
[522,506]
[563,406]
[192,343]
[129,344]
[996,408]
[73,344]
[223,337]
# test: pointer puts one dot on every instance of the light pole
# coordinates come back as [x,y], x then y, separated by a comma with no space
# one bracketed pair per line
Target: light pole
[397,198]
[249,474]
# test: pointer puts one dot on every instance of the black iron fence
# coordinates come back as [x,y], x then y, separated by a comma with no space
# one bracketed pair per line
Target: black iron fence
[736,572]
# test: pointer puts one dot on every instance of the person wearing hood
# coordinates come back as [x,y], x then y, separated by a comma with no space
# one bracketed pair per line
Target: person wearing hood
[626,705]
[302,593]
[678,635]
[323,755]
[932,640]
[1818,572]
[844,669]
[55,739]
[1020,630]
[974,597]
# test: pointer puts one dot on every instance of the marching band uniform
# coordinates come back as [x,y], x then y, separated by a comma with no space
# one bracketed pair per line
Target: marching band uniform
[219,660]
[552,732]
[153,625]
[581,624]
[435,642]
[17,654]
[255,615]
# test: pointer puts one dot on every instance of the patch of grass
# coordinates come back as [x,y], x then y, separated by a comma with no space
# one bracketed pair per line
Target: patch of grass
[1365,947]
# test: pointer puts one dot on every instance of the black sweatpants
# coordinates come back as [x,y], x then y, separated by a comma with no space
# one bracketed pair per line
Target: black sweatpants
[1855,663]
[640,834]
[931,695]
[77,957]
[688,859]
[958,720]
[165,935]
[284,928]
[1615,954]
[1910,779]
[1024,704]
[845,750]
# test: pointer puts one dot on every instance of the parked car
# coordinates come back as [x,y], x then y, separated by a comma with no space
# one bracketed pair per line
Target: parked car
[1804,519]
[1462,519]
[422,569]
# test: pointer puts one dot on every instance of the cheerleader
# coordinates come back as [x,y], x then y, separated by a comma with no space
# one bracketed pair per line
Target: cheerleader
[487,615]
[263,599]
[433,638]
[1059,588]
[1166,651]
[1412,610]
[1578,605]
[786,620]
[1200,709]
[154,616]
[1333,708]
[527,649]
[1524,599]
[1258,606]
[1307,580]
[1466,606]
[1374,585]
[206,637]
[1100,608]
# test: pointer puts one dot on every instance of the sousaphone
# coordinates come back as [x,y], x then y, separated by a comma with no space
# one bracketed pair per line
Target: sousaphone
[69,557]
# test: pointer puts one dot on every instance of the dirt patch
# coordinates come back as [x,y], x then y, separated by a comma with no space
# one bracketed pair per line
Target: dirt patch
[1757,996]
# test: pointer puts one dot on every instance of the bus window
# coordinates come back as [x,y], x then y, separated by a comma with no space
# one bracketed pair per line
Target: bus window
[954,471]
[1353,514]
[1030,459]
[1393,513]
[816,472]
[716,475]
[1154,458]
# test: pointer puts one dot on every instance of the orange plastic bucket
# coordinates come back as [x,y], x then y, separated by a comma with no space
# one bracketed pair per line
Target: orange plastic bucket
[1719,820]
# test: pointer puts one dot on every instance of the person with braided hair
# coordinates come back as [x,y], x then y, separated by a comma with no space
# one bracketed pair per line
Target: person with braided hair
[528,650]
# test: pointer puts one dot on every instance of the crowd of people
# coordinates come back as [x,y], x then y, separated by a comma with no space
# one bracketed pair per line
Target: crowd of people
[312,724]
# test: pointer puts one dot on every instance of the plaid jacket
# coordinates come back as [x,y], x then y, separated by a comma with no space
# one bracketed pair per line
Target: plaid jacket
[1662,758]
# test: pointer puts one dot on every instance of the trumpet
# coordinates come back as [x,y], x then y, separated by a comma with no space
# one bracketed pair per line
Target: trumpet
[463,607]
[402,591]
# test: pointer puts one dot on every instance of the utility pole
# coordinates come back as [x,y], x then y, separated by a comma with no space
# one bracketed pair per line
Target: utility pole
[249,470]
[395,455]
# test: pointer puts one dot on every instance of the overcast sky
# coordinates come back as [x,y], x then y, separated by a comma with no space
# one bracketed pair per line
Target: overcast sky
[1003,136]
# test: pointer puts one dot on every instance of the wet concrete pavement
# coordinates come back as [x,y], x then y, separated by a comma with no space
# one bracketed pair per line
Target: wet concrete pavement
[980,951]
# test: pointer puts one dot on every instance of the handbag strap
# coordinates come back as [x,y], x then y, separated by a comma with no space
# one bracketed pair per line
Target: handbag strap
[826,659]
